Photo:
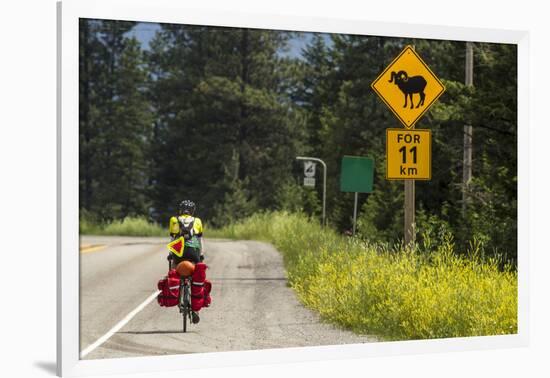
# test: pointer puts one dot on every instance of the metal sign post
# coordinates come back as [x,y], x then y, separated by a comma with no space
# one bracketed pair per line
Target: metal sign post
[324,181]
[355,213]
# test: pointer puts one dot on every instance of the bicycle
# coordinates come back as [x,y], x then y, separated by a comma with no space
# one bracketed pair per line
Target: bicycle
[184,299]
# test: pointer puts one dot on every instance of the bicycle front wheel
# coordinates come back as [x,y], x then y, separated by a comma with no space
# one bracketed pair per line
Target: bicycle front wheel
[186,306]
[184,315]
[183,304]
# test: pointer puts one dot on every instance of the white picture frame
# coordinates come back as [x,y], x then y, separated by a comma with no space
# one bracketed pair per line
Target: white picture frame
[172,11]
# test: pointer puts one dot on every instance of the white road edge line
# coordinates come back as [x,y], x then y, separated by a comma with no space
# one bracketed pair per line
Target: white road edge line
[119,325]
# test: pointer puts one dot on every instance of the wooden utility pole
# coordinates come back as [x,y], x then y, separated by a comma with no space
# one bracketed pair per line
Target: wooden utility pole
[468,131]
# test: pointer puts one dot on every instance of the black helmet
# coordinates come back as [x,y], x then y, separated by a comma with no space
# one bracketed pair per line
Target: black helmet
[187,207]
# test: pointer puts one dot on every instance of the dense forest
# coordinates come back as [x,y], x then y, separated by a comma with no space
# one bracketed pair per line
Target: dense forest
[218,115]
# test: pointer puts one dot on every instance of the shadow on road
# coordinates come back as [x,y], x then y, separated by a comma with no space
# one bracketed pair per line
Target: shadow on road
[152,332]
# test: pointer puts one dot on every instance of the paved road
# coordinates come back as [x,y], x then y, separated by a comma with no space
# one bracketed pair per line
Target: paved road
[252,305]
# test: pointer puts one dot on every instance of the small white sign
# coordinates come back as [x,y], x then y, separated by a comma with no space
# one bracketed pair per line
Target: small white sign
[309,168]
[308,181]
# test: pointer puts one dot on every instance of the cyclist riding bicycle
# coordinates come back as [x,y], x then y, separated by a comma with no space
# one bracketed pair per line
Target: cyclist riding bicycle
[190,227]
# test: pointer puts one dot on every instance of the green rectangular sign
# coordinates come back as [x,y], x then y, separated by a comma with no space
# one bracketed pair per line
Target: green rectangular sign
[357,174]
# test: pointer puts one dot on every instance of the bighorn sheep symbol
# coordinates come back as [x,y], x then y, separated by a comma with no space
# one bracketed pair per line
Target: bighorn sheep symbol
[409,85]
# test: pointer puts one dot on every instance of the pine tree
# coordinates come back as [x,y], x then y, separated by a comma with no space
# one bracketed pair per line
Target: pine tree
[231,103]
[115,121]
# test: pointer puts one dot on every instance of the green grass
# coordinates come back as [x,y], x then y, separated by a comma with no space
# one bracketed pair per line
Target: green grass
[386,291]
[130,226]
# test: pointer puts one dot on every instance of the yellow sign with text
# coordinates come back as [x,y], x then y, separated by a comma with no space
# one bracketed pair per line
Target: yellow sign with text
[408,154]
[408,87]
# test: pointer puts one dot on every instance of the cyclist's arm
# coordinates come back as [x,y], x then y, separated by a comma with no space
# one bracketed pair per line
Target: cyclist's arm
[199,238]
[174,227]
[199,229]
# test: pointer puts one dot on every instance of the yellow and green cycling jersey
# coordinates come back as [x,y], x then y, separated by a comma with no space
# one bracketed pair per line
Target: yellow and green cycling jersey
[197,230]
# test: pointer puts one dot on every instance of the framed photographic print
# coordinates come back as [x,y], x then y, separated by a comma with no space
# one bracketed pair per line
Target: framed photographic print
[242,189]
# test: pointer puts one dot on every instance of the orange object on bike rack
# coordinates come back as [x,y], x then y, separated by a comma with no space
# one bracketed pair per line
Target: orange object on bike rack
[185,268]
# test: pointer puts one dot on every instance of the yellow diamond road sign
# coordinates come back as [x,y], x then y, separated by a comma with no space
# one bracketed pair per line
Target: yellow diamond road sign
[408,154]
[408,87]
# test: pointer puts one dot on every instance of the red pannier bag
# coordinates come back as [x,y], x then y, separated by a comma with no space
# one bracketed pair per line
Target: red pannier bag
[169,289]
[197,287]
[199,274]
[207,288]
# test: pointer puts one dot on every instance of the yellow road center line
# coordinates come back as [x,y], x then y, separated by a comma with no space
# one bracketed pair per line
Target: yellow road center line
[92,248]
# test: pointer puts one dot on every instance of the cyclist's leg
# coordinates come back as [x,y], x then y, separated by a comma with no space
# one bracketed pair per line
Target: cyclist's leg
[171,259]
